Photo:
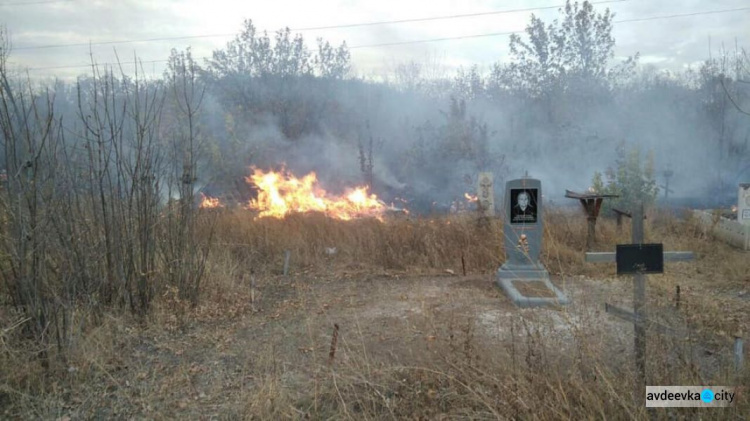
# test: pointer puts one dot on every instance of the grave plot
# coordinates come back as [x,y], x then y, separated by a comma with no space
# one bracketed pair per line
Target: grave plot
[523,231]
[735,232]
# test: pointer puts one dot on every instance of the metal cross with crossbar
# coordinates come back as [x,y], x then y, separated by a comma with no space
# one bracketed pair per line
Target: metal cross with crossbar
[669,256]
[638,259]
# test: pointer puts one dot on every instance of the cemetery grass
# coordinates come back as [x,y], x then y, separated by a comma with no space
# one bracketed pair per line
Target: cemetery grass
[417,337]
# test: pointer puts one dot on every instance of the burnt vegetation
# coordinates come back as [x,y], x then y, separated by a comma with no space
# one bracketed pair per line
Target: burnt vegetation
[102,239]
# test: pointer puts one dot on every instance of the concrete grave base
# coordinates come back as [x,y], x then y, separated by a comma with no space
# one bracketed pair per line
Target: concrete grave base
[732,232]
[507,275]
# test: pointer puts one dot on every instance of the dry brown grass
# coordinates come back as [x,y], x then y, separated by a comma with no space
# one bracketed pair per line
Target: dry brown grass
[413,245]
[257,346]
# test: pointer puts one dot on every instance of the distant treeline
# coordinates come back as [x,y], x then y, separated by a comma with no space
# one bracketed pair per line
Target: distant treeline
[558,107]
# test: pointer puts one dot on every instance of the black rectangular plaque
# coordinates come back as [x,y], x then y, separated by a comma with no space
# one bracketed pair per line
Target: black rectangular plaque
[523,206]
[639,258]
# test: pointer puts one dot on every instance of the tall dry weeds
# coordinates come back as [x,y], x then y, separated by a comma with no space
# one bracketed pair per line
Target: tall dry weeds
[83,224]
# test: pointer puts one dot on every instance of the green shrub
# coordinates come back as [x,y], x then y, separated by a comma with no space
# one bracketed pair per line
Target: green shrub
[631,179]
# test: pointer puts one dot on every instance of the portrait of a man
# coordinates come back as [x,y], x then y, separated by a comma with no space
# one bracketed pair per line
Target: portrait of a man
[523,206]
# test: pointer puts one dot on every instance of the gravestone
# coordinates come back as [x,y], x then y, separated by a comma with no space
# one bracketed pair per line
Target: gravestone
[486,195]
[743,204]
[523,231]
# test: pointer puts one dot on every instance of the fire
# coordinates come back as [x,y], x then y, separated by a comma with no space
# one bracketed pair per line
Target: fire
[208,202]
[470,198]
[734,209]
[281,193]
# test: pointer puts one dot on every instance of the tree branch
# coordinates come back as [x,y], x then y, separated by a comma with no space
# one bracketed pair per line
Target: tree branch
[732,99]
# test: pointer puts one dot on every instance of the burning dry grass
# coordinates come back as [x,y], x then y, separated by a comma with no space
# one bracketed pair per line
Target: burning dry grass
[257,345]
[210,202]
[281,194]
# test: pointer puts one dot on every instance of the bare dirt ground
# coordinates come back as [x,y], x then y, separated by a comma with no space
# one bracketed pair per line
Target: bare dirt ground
[208,369]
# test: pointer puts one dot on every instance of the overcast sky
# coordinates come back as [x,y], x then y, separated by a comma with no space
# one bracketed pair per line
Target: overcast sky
[668,43]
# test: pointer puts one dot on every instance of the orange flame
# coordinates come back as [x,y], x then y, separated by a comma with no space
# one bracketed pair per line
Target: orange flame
[208,202]
[281,193]
[470,198]
[734,209]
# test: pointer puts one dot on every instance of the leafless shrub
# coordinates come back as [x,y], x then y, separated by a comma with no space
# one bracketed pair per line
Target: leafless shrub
[81,202]
[184,249]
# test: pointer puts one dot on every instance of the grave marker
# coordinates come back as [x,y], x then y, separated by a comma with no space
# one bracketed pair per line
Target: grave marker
[743,204]
[592,203]
[667,175]
[620,214]
[523,231]
[486,195]
[641,260]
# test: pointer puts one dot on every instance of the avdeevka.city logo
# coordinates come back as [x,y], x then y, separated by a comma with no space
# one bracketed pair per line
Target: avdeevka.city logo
[689,396]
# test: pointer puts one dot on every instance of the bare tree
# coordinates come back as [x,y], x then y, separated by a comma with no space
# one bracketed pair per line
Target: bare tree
[185,251]
[30,138]
[742,72]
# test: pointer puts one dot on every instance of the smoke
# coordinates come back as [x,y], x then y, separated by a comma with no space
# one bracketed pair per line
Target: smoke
[429,150]
[562,143]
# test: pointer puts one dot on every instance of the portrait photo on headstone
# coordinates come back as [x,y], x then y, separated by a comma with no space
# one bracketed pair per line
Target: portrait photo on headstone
[523,206]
